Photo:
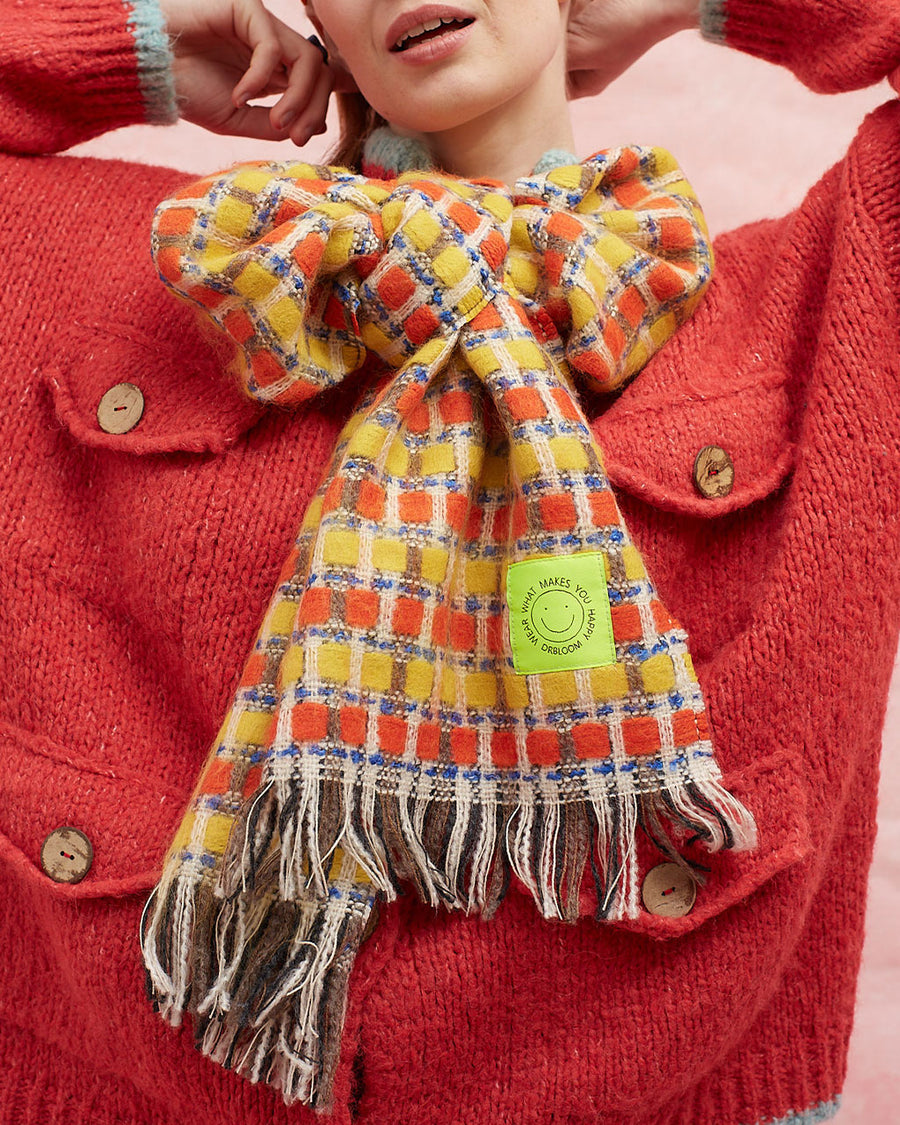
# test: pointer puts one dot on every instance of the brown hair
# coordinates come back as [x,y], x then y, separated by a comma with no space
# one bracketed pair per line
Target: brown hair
[357,120]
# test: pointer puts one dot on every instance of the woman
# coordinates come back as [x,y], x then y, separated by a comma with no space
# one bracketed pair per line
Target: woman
[517,1018]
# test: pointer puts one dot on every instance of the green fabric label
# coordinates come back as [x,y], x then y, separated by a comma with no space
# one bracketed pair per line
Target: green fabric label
[559,617]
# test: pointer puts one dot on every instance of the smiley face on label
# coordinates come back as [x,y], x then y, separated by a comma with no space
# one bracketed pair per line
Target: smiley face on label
[557,616]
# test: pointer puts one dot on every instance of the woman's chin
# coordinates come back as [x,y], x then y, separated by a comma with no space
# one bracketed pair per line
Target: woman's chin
[424,124]
[444,107]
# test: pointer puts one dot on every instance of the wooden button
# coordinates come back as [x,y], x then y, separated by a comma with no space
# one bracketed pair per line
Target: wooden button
[669,891]
[713,472]
[120,408]
[67,855]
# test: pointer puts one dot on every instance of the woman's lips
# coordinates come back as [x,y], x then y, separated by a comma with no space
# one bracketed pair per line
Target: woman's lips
[436,47]
[428,44]
[431,30]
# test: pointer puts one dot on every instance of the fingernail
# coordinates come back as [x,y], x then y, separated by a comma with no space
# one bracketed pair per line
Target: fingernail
[286,119]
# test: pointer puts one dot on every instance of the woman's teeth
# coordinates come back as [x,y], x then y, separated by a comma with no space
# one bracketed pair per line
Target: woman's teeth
[427,30]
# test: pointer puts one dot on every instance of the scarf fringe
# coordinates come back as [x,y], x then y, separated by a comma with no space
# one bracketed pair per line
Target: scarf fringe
[262,960]
[268,981]
[458,839]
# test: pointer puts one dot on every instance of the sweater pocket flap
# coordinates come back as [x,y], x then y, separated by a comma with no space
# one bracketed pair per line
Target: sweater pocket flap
[182,401]
[127,822]
[773,790]
[654,444]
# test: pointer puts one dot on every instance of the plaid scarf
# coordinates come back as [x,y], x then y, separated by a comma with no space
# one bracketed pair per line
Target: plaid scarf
[465,673]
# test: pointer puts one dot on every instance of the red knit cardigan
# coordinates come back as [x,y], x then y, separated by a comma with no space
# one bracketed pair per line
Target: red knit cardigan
[116,667]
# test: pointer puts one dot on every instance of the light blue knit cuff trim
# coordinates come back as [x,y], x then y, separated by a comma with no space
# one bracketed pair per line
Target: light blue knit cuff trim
[712,27]
[154,56]
[824,1111]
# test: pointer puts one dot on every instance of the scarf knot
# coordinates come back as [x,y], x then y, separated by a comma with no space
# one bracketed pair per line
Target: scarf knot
[309,269]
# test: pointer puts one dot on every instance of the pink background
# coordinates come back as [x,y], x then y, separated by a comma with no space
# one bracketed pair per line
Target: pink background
[751,140]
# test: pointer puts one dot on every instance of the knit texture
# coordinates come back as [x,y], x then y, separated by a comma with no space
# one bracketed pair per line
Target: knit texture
[389,154]
[134,571]
[465,671]
[712,20]
[72,70]
[824,1111]
[154,59]
[863,39]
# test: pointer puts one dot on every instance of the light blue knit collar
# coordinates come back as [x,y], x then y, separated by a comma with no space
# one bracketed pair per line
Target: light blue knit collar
[386,154]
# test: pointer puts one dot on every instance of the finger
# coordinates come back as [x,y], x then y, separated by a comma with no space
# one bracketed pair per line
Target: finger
[303,86]
[292,46]
[307,115]
[894,79]
[292,42]
[256,27]
[313,119]
[251,121]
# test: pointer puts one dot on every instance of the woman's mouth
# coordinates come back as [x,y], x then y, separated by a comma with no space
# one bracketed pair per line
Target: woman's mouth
[429,29]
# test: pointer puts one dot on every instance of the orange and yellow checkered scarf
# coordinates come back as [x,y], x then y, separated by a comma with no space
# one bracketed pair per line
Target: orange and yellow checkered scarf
[465,674]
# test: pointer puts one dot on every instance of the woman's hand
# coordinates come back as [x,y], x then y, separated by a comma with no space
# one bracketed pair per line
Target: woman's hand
[606,36]
[229,51]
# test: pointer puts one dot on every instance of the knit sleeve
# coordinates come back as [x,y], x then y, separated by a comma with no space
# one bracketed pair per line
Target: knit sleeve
[73,69]
[830,45]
